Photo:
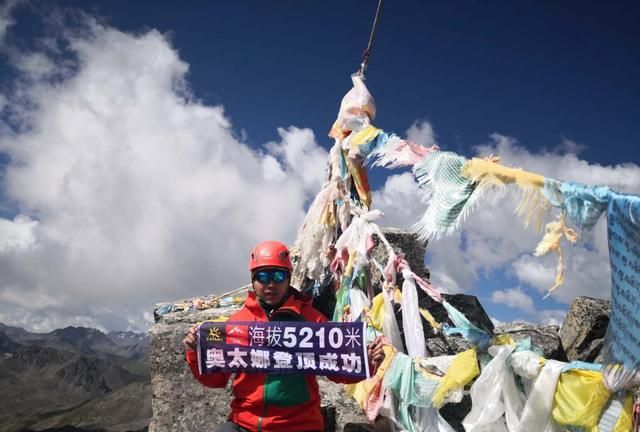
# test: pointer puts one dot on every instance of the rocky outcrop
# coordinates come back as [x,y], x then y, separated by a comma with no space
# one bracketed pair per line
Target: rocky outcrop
[584,327]
[39,357]
[404,242]
[8,345]
[438,344]
[178,402]
[83,374]
[46,387]
[543,336]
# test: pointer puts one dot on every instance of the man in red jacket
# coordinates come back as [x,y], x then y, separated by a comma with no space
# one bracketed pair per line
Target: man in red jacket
[265,402]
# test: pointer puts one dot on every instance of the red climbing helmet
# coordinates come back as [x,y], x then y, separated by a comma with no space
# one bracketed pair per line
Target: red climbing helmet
[270,254]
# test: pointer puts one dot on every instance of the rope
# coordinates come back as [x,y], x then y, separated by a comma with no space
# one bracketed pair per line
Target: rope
[367,52]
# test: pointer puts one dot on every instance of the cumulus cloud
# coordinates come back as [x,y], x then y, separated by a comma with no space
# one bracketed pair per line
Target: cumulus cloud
[301,156]
[17,235]
[552,317]
[421,132]
[514,298]
[570,146]
[400,199]
[127,190]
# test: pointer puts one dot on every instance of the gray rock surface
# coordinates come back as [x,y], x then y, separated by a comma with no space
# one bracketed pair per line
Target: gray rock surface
[180,403]
[405,242]
[439,345]
[543,336]
[584,328]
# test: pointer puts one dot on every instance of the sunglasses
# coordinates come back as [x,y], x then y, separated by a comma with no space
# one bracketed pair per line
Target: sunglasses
[266,276]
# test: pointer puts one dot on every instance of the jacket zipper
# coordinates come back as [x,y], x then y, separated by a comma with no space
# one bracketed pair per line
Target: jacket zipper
[264,414]
[264,410]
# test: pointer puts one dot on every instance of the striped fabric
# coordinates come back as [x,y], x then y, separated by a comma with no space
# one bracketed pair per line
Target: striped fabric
[451,194]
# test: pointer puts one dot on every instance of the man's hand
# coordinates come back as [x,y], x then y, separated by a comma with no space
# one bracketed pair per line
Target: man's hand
[375,351]
[190,339]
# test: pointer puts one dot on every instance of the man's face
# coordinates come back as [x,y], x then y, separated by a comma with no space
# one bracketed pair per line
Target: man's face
[271,285]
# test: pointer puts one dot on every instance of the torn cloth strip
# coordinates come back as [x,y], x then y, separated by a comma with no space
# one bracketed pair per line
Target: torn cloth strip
[369,393]
[390,151]
[582,204]
[622,341]
[463,369]
[360,143]
[414,391]
[485,169]
[464,327]
[496,402]
[555,232]
[536,414]
[451,195]
[360,180]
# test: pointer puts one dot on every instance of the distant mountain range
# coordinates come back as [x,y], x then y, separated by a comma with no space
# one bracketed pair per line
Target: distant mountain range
[74,379]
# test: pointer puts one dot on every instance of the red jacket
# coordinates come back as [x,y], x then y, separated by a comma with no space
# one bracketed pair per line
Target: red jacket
[272,402]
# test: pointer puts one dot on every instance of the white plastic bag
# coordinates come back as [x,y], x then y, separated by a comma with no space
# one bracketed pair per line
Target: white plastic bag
[389,324]
[358,300]
[357,108]
[411,319]
[527,364]
[536,415]
[443,363]
[495,394]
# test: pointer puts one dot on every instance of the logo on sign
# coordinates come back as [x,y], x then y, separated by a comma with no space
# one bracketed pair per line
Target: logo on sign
[237,334]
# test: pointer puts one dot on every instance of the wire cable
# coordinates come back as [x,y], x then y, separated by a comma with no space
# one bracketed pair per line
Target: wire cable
[367,52]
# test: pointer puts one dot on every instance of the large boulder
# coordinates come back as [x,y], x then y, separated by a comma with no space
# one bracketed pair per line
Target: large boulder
[584,327]
[405,242]
[543,336]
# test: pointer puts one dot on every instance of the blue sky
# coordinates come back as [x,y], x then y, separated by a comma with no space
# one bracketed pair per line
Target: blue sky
[538,71]
[556,81]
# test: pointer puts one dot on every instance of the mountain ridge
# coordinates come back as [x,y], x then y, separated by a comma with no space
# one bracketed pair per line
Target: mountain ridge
[73,379]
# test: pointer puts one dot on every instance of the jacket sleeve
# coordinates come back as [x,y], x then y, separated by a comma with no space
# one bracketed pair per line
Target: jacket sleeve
[217,380]
[344,380]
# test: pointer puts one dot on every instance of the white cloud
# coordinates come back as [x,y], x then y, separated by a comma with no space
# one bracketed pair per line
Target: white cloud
[17,235]
[496,322]
[421,132]
[400,199]
[6,20]
[570,146]
[552,317]
[302,157]
[133,191]
[514,298]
